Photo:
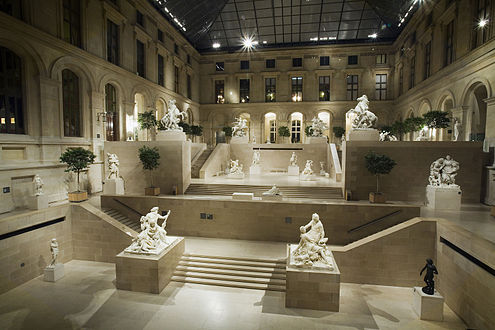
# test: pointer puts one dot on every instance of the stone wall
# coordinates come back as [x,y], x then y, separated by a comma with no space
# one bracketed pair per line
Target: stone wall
[216,162]
[408,179]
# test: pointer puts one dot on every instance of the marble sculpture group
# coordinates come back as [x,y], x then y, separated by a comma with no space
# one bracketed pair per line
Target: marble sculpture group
[443,172]
[362,117]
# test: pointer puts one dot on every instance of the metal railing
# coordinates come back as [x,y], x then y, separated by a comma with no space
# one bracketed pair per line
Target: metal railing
[127,206]
[372,221]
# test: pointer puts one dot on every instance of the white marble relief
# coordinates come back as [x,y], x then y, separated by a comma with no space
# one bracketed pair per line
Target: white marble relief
[38,185]
[443,172]
[113,166]
[172,118]
[54,251]
[362,117]
[240,127]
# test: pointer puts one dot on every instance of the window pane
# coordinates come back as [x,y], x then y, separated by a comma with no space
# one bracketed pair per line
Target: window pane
[11,94]
[71,103]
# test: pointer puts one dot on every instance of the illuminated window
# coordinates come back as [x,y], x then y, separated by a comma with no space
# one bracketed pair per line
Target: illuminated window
[352,87]
[381,87]
[219,92]
[270,89]
[11,96]
[297,89]
[324,88]
[244,90]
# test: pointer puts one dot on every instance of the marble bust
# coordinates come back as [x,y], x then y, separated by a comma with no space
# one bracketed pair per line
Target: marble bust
[443,172]
[235,167]
[256,158]
[38,185]
[172,118]
[113,166]
[240,127]
[153,238]
[308,170]
[54,251]
[362,117]
[312,250]
[293,159]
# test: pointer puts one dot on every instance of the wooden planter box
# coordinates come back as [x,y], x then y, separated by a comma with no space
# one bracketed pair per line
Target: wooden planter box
[375,197]
[152,191]
[78,196]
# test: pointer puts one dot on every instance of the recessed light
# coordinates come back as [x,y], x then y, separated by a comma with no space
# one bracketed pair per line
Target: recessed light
[264,41]
[373,36]
[482,23]
[216,45]
[248,42]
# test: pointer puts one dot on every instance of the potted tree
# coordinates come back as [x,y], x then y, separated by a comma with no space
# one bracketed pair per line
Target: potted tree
[398,128]
[150,158]
[338,132]
[77,159]
[378,165]
[308,130]
[436,119]
[148,122]
[228,132]
[196,130]
[284,132]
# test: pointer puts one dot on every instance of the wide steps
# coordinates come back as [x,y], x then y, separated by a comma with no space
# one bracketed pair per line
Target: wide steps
[232,267]
[232,278]
[123,219]
[230,272]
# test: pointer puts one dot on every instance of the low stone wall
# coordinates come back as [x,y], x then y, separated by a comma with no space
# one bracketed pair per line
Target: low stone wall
[216,162]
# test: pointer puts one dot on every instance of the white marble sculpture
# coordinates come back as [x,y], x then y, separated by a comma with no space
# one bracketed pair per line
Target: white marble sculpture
[423,134]
[239,127]
[318,126]
[153,238]
[293,159]
[274,191]
[54,251]
[362,117]
[235,167]
[457,129]
[322,169]
[256,158]
[173,117]
[38,185]
[254,139]
[387,136]
[308,170]
[312,250]
[113,166]
[443,172]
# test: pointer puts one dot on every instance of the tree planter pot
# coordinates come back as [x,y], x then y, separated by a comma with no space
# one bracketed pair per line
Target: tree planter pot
[377,197]
[152,191]
[78,196]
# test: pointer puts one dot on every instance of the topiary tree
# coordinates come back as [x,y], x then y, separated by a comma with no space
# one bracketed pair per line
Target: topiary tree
[398,128]
[378,165]
[77,159]
[227,130]
[150,158]
[436,119]
[308,130]
[338,131]
[196,130]
[413,124]
[283,131]
[147,121]
[186,128]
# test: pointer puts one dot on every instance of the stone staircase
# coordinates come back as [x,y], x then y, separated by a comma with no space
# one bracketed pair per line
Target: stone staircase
[123,219]
[236,272]
[196,166]
[290,192]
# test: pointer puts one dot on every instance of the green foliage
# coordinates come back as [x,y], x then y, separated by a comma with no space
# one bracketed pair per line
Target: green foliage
[227,130]
[160,126]
[378,164]
[386,129]
[398,128]
[186,128]
[196,130]
[308,130]
[147,120]
[437,119]
[150,158]
[413,124]
[77,159]
[283,131]
[338,131]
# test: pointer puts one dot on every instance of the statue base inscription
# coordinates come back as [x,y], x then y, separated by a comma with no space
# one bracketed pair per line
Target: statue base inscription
[113,187]
[255,170]
[293,170]
[53,273]
[171,135]
[443,198]
[428,307]
[364,134]
[38,202]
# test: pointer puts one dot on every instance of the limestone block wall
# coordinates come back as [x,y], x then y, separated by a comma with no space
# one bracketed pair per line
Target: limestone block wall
[216,162]
[263,220]
[408,179]
[25,255]
[174,169]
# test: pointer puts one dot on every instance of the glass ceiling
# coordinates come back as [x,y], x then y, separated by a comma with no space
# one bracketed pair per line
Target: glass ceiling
[278,23]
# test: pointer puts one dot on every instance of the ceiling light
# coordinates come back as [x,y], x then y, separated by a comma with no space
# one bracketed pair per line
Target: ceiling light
[248,42]
[314,39]
[264,41]
[373,36]
[332,38]
[482,23]
[216,45]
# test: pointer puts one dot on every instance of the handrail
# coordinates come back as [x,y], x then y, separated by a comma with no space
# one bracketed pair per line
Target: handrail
[372,221]
[130,208]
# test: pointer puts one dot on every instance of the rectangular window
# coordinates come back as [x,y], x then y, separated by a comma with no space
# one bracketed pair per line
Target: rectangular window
[381,59]
[188,86]
[112,42]
[244,65]
[324,60]
[412,72]
[139,18]
[160,35]
[427,60]
[140,65]
[482,13]
[297,62]
[71,103]
[449,43]
[324,88]
[381,87]
[161,71]
[176,76]
[219,66]
[352,60]
[297,89]
[270,64]
[219,92]
[401,80]
[11,96]
[270,89]
[273,131]
[295,134]
[11,7]
[244,90]
[72,22]
[352,87]
[176,48]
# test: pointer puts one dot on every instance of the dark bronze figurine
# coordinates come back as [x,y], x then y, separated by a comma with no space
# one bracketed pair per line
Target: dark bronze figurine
[431,270]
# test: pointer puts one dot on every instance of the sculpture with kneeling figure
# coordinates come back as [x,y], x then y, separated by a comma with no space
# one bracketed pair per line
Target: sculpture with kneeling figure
[442,192]
[312,250]
[152,239]
[307,173]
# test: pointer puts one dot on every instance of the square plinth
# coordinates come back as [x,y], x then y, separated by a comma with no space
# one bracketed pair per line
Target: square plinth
[171,135]
[148,273]
[235,176]
[53,273]
[310,288]
[113,187]
[369,134]
[255,170]
[38,202]
[443,198]
[428,307]
[243,196]
[293,170]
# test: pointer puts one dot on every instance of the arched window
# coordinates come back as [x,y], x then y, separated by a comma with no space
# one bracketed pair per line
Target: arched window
[295,127]
[71,103]
[11,105]
[111,124]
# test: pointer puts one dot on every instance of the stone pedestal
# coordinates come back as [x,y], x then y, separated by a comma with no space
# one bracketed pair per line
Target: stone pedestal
[293,170]
[364,134]
[148,273]
[113,187]
[171,136]
[38,202]
[239,139]
[243,196]
[428,307]
[312,288]
[490,186]
[255,170]
[272,197]
[443,198]
[53,274]
[316,140]
[235,176]
[304,177]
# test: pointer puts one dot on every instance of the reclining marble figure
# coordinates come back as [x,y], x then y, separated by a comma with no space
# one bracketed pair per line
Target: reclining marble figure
[274,191]
[312,251]
[153,238]
[443,172]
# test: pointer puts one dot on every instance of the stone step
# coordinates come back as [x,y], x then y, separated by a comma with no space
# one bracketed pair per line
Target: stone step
[270,270]
[232,284]
[256,259]
[230,278]
[230,272]
[260,264]
[123,219]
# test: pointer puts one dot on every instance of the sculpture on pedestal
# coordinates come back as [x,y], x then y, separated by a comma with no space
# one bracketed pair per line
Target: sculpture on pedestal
[54,251]
[443,172]
[293,159]
[256,158]
[318,127]
[172,118]
[153,238]
[235,167]
[308,170]
[239,127]
[274,191]
[322,168]
[38,185]
[312,250]
[113,166]
[362,117]
[423,134]
[431,270]
[457,129]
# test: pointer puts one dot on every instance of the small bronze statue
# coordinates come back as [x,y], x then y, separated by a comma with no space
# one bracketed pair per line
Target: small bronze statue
[430,271]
